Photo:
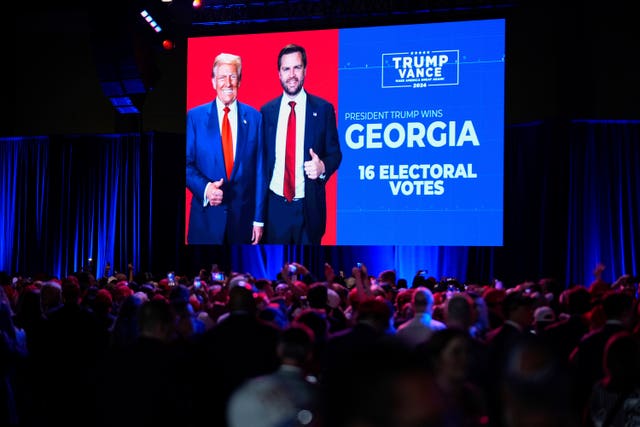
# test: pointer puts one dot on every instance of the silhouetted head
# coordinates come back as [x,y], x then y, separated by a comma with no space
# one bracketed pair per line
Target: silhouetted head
[241,300]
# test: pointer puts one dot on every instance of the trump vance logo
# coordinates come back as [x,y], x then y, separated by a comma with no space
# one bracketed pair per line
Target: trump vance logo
[418,69]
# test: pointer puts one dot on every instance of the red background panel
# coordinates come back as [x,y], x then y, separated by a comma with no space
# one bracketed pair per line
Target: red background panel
[260,82]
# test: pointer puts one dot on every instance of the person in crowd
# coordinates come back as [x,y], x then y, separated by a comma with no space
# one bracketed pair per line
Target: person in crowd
[403,309]
[75,344]
[225,163]
[493,298]
[518,318]
[543,317]
[303,151]
[102,307]
[120,292]
[371,323]
[30,317]
[125,328]
[264,285]
[420,328]
[565,334]
[86,280]
[300,273]
[615,398]
[551,288]
[586,360]
[360,289]
[535,387]
[318,298]
[382,383]
[387,280]
[319,325]
[626,283]
[238,347]
[480,326]
[13,353]
[149,376]
[50,296]
[385,285]
[166,371]
[336,282]
[598,288]
[272,312]
[449,352]
[188,324]
[284,397]
[460,313]
[598,285]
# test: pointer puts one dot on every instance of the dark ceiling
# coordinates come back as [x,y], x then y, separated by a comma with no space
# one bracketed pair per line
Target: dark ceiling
[274,15]
[562,62]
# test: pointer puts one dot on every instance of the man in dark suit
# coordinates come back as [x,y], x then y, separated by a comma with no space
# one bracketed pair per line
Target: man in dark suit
[238,347]
[517,307]
[302,152]
[586,360]
[228,186]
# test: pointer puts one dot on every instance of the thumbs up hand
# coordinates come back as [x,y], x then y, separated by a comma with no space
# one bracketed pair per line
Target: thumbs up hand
[214,193]
[315,167]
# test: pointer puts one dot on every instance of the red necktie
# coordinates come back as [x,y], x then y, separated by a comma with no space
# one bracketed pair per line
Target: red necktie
[227,142]
[289,189]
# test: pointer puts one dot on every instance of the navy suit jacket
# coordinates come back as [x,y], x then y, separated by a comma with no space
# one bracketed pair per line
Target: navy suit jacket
[321,134]
[244,192]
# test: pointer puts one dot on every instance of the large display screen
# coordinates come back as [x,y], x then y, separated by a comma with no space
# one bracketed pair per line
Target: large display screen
[420,117]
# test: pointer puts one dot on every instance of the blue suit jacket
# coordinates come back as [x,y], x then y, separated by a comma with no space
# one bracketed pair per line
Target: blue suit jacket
[244,192]
[321,134]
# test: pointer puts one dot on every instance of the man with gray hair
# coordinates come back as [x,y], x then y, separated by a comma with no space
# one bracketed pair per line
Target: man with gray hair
[460,313]
[225,163]
[420,328]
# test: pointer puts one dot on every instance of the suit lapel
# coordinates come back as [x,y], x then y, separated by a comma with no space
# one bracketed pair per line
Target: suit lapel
[241,146]
[270,122]
[311,124]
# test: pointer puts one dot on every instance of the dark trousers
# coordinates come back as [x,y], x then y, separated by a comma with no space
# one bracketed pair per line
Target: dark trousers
[285,221]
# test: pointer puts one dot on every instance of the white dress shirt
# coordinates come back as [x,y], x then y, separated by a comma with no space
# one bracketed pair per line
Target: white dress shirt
[277,180]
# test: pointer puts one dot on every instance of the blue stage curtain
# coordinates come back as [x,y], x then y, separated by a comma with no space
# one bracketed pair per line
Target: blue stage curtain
[535,206]
[604,207]
[23,191]
[68,199]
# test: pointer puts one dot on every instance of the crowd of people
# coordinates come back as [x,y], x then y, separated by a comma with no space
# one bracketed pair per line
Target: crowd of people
[302,349]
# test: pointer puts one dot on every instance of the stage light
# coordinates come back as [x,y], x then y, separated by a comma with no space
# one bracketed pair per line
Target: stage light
[128,110]
[147,17]
[197,4]
[121,101]
[124,105]
[168,44]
